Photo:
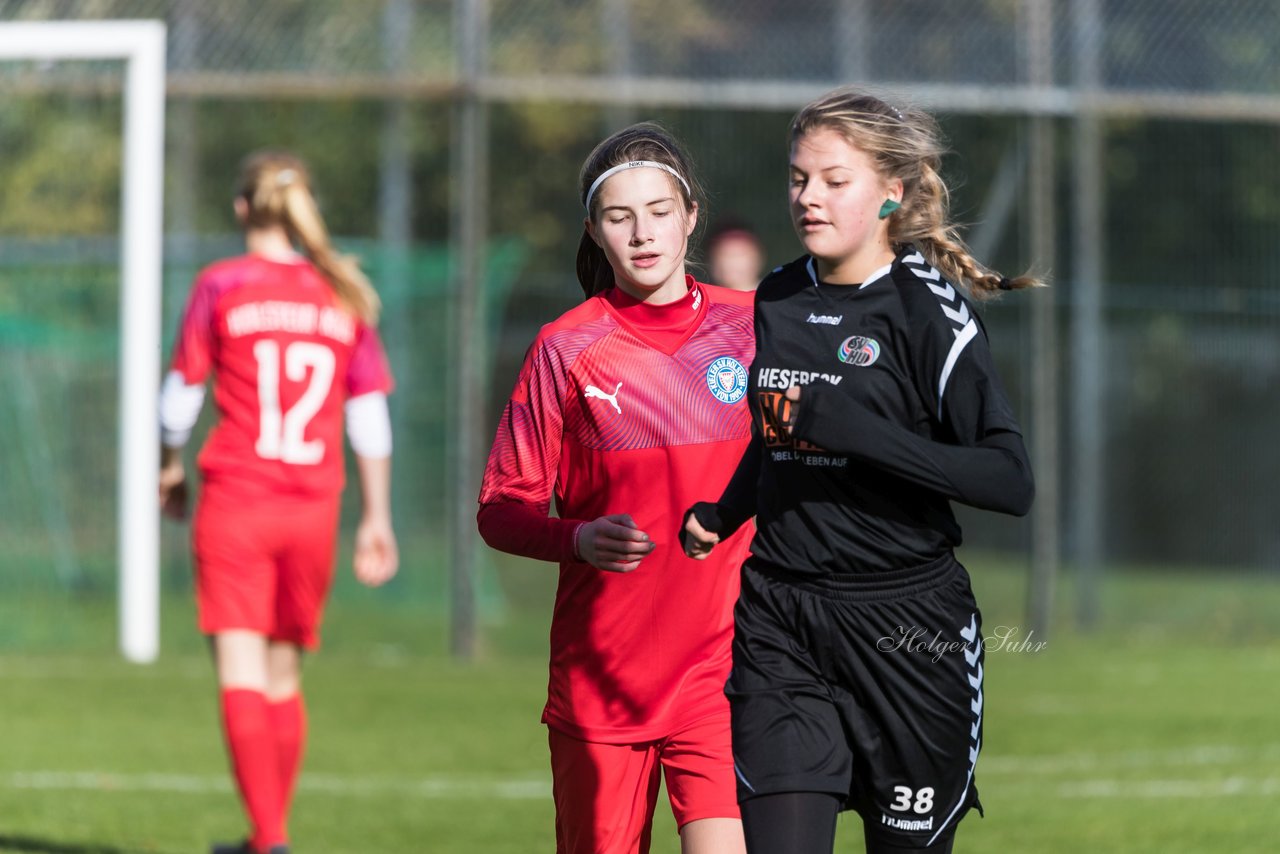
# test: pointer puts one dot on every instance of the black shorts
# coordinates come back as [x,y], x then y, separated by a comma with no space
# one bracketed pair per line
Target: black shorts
[868,688]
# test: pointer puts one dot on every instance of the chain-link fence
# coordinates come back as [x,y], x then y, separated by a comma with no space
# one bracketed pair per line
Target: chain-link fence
[446,139]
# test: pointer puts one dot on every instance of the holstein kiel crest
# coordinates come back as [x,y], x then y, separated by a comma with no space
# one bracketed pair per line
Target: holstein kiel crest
[727,379]
[859,351]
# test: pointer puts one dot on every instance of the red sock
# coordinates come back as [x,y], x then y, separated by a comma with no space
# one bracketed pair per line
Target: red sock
[289,726]
[252,748]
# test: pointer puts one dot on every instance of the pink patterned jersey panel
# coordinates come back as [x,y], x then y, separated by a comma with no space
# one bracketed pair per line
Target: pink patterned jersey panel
[596,384]
[526,450]
[369,371]
[625,395]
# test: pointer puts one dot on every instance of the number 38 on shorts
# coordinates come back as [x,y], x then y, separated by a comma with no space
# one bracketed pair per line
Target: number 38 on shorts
[919,802]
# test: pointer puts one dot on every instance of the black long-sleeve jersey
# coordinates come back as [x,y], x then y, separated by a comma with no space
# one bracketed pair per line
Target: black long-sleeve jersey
[900,412]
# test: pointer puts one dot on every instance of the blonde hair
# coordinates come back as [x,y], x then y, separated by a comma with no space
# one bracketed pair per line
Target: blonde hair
[276,188]
[906,144]
[643,141]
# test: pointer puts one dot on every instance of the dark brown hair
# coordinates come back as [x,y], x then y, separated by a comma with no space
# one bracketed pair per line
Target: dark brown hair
[643,141]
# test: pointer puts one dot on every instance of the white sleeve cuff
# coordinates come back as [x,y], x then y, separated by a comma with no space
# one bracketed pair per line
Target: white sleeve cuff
[179,409]
[369,425]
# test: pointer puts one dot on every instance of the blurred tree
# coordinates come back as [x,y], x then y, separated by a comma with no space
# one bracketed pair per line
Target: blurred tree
[61,166]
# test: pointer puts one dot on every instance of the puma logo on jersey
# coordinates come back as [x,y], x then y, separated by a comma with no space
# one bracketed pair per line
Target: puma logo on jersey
[592,391]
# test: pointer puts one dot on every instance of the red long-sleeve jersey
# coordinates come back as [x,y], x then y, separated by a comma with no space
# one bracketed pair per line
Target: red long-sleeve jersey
[615,411]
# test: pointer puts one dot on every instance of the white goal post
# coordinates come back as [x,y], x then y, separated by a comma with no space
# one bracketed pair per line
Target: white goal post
[141,45]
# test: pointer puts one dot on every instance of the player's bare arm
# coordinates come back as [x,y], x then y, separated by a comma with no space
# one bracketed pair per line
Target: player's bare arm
[377,555]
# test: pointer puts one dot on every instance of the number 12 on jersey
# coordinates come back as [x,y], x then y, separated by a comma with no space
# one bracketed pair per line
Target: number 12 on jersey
[281,434]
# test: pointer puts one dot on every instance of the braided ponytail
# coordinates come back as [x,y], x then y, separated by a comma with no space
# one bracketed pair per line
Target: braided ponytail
[924,221]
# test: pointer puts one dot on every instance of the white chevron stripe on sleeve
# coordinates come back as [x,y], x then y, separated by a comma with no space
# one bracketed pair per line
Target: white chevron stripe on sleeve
[963,337]
[961,317]
[944,290]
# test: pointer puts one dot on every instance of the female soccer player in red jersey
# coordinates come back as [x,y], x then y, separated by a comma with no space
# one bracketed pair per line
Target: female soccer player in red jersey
[292,343]
[627,408]
[857,659]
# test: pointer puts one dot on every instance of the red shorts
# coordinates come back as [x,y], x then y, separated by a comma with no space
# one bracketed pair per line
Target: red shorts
[605,794]
[265,568]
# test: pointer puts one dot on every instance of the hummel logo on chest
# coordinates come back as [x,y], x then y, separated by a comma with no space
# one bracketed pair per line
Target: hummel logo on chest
[830,320]
[592,391]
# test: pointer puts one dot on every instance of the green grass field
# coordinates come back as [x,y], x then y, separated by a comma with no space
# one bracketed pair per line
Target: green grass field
[1158,732]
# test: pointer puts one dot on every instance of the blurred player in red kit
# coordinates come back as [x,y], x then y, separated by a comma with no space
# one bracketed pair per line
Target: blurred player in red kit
[627,408]
[292,344]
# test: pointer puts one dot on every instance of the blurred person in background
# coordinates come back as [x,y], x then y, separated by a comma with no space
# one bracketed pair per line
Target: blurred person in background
[857,662]
[626,409]
[292,344]
[735,257]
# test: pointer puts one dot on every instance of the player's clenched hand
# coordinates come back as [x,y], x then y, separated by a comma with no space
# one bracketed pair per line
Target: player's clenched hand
[376,555]
[173,490]
[613,543]
[696,540]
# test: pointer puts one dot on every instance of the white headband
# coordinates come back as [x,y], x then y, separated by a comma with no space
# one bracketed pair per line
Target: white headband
[633,164]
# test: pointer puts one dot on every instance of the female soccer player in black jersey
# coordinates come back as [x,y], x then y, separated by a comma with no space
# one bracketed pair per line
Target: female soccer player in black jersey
[857,658]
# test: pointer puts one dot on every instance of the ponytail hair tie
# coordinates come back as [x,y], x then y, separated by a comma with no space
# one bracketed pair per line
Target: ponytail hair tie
[1006,284]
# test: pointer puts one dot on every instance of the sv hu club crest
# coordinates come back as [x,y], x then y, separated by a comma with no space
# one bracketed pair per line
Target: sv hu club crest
[859,351]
